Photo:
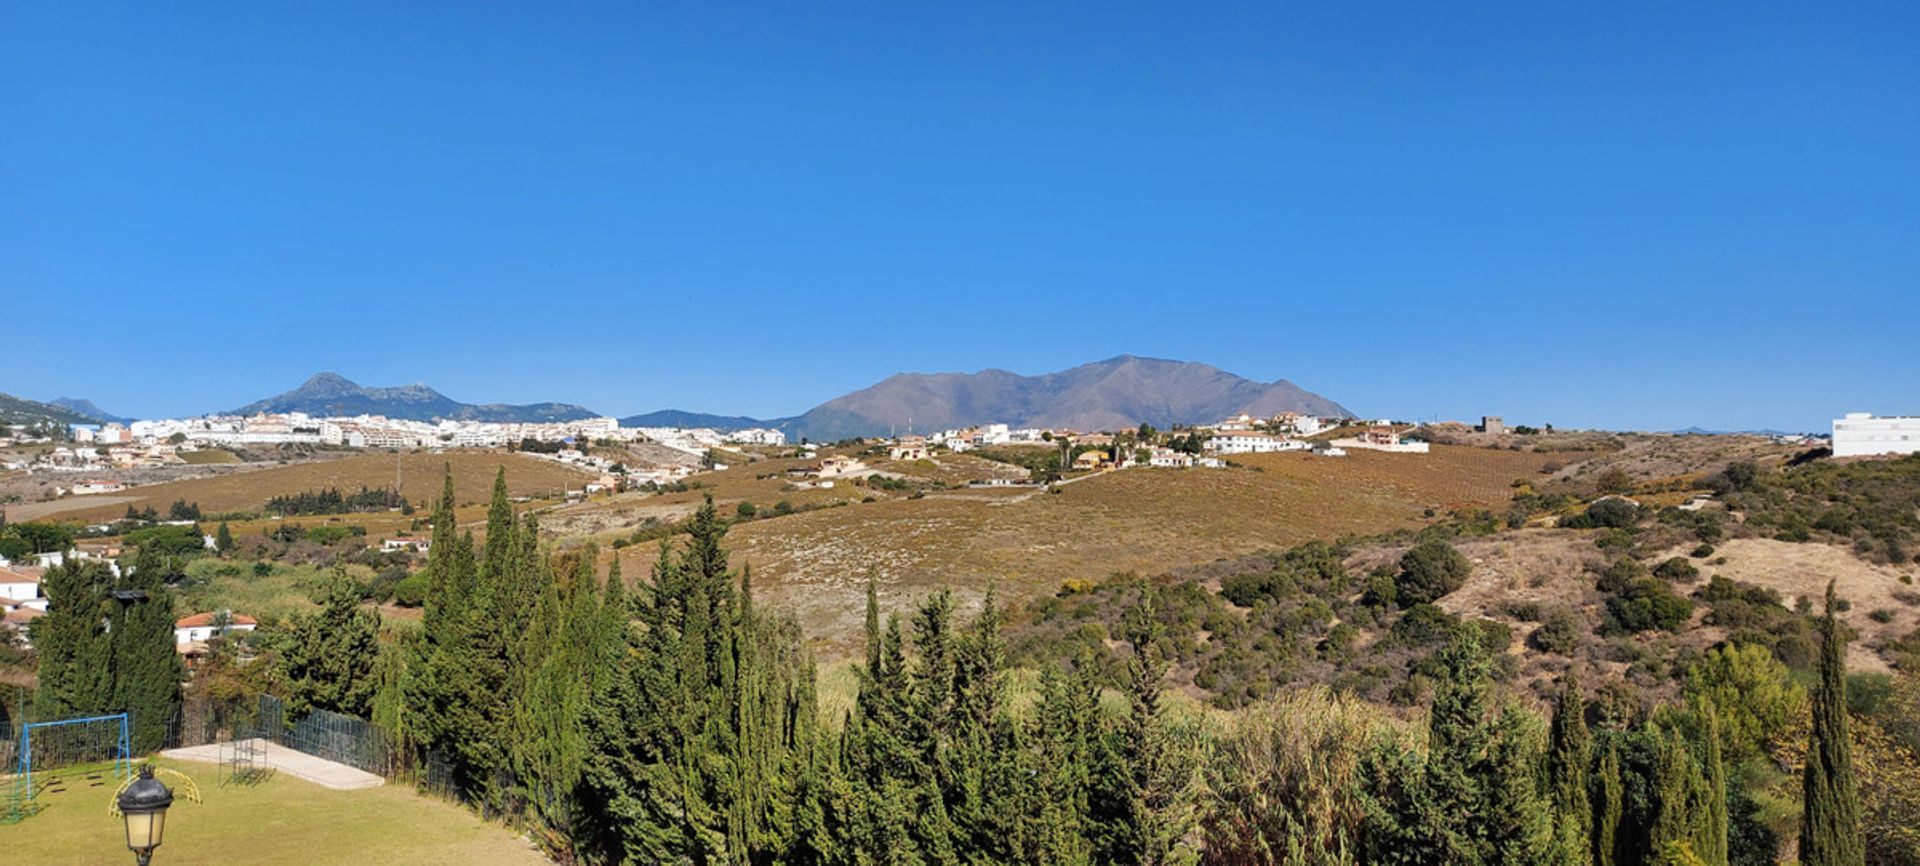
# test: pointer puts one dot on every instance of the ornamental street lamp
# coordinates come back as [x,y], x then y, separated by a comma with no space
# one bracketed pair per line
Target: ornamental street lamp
[144,805]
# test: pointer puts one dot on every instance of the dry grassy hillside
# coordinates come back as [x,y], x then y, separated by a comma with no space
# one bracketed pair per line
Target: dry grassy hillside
[1027,542]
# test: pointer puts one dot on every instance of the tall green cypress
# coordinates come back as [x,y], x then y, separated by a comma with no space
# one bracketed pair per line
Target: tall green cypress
[1518,819]
[1830,821]
[71,640]
[704,702]
[1153,782]
[1066,726]
[1710,843]
[1457,743]
[146,666]
[1609,807]
[1676,817]
[1567,776]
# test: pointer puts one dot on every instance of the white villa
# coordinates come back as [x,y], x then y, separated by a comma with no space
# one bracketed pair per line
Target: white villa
[1863,434]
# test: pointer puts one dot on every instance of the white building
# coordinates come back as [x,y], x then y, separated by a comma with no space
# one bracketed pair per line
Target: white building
[1863,434]
[1167,458]
[1252,443]
[204,626]
[758,436]
[20,588]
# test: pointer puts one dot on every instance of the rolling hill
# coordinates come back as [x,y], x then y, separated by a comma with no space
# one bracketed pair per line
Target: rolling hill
[83,406]
[330,394]
[682,418]
[19,410]
[1106,395]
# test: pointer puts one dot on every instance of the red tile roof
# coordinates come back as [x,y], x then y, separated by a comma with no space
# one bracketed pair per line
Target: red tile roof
[20,573]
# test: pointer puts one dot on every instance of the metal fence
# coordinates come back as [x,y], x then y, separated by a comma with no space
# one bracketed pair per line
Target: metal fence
[325,734]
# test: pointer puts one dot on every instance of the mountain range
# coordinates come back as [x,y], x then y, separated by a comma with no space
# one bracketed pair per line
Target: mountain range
[333,394]
[19,410]
[85,407]
[1125,391]
[1105,395]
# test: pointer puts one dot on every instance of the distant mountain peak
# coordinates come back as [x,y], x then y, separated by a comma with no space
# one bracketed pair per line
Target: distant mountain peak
[1121,391]
[331,394]
[83,406]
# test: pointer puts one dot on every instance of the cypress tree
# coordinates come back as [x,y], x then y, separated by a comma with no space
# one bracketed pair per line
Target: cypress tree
[1675,819]
[1457,745]
[1518,819]
[1151,779]
[223,539]
[1830,821]
[71,640]
[1067,723]
[146,667]
[1609,806]
[1567,777]
[1711,841]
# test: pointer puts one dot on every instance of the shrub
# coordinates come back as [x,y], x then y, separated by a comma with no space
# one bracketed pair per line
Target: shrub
[1495,636]
[1559,634]
[1677,569]
[411,592]
[1881,615]
[1702,552]
[1430,570]
[1380,592]
[1613,513]
[1424,625]
[1637,601]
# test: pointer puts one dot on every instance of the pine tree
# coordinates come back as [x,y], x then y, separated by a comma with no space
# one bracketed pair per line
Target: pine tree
[146,667]
[1830,820]
[223,539]
[329,659]
[1567,763]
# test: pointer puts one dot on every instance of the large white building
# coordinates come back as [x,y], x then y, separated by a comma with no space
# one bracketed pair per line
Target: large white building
[1863,434]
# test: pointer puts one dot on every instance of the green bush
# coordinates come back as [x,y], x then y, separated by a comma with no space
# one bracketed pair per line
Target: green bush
[1646,604]
[1677,569]
[1559,634]
[1430,570]
[1702,552]
[411,592]
[1424,625]
[1613,513]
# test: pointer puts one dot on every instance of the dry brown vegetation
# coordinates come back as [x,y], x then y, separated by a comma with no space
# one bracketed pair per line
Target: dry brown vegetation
[1027,542]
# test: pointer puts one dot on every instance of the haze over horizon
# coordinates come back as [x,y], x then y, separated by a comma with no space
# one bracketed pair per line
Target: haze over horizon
[1635,217]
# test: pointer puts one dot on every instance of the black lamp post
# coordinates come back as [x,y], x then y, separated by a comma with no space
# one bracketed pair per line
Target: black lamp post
[144,806]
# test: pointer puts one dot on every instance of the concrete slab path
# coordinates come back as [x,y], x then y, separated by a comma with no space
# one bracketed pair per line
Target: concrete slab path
[300,765]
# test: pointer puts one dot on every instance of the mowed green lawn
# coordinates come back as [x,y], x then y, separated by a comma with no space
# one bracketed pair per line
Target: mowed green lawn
[282,820]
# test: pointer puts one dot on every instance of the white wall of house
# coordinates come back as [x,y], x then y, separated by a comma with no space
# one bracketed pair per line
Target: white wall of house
[1862,434]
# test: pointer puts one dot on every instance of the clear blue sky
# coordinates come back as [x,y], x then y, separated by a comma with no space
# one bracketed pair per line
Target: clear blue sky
[1624,215]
